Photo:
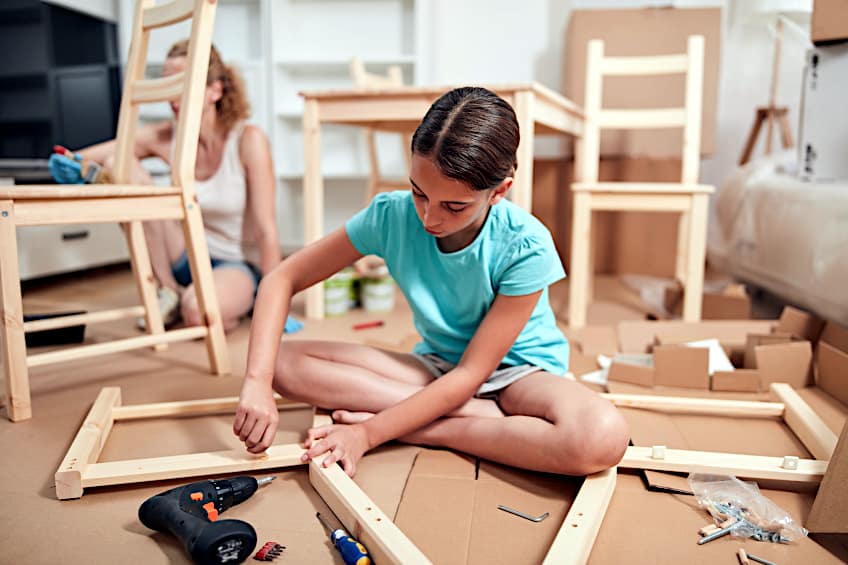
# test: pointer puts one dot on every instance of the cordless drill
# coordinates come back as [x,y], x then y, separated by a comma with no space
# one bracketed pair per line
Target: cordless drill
[191,512]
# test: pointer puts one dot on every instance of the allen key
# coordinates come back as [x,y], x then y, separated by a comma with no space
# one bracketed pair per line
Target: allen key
[522,514]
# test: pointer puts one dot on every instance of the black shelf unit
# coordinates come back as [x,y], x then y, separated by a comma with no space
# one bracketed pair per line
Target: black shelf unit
[60,79]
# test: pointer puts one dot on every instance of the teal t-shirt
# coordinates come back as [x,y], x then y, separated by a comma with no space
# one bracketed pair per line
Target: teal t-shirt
[450,293]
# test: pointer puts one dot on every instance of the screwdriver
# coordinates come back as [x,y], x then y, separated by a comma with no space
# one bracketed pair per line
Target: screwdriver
[353,552]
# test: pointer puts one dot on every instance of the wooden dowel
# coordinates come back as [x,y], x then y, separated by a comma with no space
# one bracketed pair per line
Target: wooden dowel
[79,319]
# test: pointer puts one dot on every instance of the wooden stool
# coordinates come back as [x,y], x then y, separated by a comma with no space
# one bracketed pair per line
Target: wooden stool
[687,198]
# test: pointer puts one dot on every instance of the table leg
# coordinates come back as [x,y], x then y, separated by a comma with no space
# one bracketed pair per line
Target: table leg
[578,274]
[522,187]
[313,198]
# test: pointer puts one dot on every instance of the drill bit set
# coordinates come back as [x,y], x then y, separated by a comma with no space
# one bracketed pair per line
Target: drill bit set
[270,551]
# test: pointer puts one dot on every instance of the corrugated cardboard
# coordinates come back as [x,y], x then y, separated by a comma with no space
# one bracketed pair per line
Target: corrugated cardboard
[828,514]
[835,335]
[632,368]
[638,337]
[830,22]
[680,366]
[832,371]
[597,340]
[762,339]
[785,363]
[450,510]
[740,380]
[800,324]
[648,31]
[733,303]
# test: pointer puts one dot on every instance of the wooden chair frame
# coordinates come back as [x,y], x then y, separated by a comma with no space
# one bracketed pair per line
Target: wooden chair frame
[687,198]
[122,202]
[573,544]
[370,81]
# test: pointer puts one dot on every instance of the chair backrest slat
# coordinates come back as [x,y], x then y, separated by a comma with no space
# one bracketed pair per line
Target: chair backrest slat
[688,117]
[188,86]
[158,89]
[167,14]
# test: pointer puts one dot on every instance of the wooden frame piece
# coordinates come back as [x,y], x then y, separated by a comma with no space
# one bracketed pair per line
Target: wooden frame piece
[795,412]
[362,518]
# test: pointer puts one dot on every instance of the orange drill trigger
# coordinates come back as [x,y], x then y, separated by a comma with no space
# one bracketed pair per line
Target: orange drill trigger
[211,511]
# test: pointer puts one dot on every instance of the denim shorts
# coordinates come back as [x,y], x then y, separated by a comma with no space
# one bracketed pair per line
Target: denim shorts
[182,272]
[503,376]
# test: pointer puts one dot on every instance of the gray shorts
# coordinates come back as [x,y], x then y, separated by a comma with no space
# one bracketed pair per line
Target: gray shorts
[503,376]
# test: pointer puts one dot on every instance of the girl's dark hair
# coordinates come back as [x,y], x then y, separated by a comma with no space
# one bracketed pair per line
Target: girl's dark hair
[471,135]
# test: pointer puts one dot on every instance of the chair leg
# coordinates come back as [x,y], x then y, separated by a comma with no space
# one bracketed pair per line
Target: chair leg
[579,275]
[18,406]
[696,256]
[681,259]
[144,281]
[207,301]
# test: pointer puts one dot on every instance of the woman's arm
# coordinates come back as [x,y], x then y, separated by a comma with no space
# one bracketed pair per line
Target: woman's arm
[256,417]
[255,154]
[149,141]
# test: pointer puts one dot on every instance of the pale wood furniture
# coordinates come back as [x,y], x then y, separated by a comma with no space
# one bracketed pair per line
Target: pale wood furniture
[687,198]
[370,81]
[772,113]
[30,205]
[79,468]
[539,110]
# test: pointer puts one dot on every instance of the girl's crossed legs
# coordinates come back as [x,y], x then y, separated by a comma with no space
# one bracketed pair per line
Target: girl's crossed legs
[544,422]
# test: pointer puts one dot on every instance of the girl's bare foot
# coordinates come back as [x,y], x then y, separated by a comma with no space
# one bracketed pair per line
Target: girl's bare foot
[348,417]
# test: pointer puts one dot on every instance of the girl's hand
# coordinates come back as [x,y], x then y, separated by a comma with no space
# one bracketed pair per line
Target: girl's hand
[256,416]
[341,442]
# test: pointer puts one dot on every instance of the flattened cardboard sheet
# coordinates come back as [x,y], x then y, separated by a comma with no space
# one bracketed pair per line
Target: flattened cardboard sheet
[681,366]
[785,363]
[740,380]
[832,371]
[762,339]
[828,514]
[639,336]
[450,510]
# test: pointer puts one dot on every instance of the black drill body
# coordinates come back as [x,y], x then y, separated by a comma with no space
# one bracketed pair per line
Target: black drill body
[190,512]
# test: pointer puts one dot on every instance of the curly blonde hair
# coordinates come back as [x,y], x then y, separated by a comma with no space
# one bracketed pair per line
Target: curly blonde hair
[233,106]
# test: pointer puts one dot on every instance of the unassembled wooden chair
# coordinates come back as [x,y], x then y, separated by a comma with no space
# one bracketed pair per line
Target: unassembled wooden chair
[370,81]
[30,205]
[688,198]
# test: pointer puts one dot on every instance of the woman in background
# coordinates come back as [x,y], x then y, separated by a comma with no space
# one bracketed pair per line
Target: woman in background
[235,190]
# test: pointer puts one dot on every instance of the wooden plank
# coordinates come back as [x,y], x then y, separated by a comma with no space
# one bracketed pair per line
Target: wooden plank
[647,118]
[650,65]
[94,210]
[693,104]
[190,465]
[828,512]
[641,202]
[162,89]
[87,444]
[579,277]
[522,186]
[12,340]
[688,405]
[59,191]
[88,318]
[313,198]
[695,258]
[145,282]
[362,518]
[806,424]
[167,14]
[573,543]
[127,344]
[192,408]
[748,466]
[663,188]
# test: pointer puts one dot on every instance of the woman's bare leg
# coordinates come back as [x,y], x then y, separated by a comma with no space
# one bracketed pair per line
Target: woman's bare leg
[165,244]
[356,377]
[234,290]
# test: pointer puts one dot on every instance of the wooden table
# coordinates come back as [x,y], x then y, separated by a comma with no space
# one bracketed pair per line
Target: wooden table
[539,110]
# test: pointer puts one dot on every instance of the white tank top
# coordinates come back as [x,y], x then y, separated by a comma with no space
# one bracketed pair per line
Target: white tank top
[224,205]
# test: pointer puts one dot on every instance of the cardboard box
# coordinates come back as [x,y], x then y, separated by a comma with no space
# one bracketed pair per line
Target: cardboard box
[639,336]
[800,324]
[681,366]
[645,31]
[732,303]
[832,371]
[637,369]
[823,130]
[785,363]
[761,339]
[835,335]
[830,21]
[740,380]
